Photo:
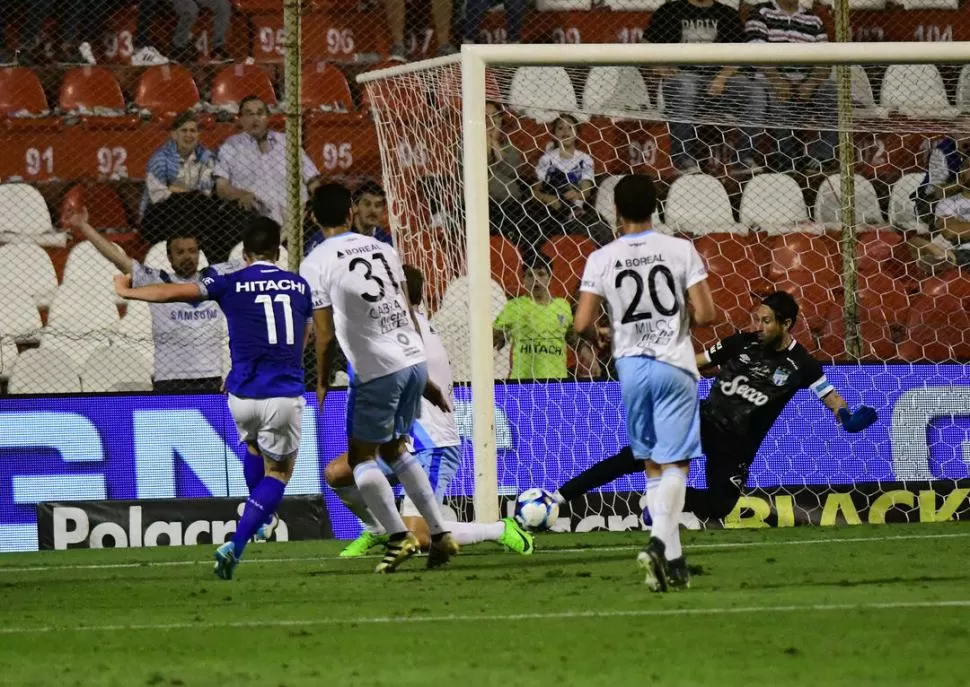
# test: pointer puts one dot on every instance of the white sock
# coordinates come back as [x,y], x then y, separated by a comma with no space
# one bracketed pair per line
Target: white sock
[652,484]
[379,497]
[475,532]
[415,482]
[350,497]
[670,498]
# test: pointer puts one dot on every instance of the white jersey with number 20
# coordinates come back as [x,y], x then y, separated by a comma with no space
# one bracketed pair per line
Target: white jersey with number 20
[360,278]
[644,280]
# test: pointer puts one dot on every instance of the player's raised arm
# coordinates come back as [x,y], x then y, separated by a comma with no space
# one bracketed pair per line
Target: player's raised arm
[158,293]
[108,249]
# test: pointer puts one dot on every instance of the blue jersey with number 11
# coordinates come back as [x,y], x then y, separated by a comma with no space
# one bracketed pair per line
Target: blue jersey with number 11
[267,310]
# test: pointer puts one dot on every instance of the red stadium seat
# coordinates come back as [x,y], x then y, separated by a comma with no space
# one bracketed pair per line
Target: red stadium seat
[166,90]
[237,81]
[106,212]
[325,88]
[506,265]
[21,92]
[86,89]
[938,325]
[568,255]
[809,267]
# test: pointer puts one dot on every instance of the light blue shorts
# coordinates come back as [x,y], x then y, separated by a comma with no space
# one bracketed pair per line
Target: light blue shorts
[440,464]
[385,408]
[662,410]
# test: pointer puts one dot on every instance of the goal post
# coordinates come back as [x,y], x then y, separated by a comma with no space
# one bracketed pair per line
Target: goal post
[440,106]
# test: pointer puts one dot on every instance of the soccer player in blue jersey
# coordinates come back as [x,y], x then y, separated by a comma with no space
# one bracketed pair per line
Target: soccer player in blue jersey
[267,310]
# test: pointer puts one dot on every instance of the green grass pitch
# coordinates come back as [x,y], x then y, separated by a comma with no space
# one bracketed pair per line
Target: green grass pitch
[865,605]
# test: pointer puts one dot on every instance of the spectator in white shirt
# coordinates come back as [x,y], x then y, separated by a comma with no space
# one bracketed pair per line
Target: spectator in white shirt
[188,337]
[564,186]
[251,166]
[951,244]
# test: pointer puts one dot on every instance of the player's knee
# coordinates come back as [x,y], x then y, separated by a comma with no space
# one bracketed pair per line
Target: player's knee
[338,472]
[281,470]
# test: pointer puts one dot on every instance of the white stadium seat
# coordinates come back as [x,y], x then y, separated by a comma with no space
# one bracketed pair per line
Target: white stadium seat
[863,101]
[963,90]
[116,368]
[773,202]
[828,209]
[8,357]
[698,204]
[916,90]
[860,4]
[23,213]
[637,5]
[542,93]
[564,5]
[902,212]
[29,269]
[237,254]
[80,320]
[44,371]
[617,92]
[451,323]
[86,268]
[157,257]
[134,330]
[931,4]
[19,318]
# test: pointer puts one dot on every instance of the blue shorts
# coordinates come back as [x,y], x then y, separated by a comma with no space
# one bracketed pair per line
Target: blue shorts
[385,408]
[662,410]
[440,464]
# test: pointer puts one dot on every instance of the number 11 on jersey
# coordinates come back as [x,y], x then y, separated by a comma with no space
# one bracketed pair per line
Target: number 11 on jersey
[271,334]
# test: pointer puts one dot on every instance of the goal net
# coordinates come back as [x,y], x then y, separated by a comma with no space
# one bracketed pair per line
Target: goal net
[779,182]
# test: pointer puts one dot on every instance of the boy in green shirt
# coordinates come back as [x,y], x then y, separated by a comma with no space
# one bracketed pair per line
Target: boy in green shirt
[538,327]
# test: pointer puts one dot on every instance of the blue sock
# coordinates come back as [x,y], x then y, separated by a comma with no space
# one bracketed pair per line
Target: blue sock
[262,503]
[252,470]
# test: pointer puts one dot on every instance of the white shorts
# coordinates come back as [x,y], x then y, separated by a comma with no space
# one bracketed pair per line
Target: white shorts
[274,424]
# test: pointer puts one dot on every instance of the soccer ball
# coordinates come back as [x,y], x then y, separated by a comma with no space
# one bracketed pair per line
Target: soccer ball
[536,510]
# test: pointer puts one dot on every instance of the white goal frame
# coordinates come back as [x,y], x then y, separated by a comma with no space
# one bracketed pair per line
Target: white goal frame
[474,60]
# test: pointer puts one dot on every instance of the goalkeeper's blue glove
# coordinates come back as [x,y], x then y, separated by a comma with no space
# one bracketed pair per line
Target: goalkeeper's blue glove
[859,420]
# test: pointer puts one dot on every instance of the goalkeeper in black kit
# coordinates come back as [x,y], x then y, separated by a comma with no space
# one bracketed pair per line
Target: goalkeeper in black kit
[759,373]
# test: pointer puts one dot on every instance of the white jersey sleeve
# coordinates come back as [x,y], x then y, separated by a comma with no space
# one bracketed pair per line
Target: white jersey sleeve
[435,428]
[644,280]
[360,279]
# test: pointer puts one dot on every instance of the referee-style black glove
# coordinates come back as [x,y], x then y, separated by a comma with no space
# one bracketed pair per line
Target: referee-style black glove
[859,420]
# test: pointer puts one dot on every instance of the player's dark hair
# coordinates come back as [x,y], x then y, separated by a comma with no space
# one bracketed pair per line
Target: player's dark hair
[183,119]
[251,99]
[331,205]
[784,306]
[368,188]
[178,236]
[414,279]
[635,198]
[534,261]
[261,239]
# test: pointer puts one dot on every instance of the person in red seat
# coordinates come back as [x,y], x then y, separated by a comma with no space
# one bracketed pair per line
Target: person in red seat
[951,245]
[188,13]
[182,164]
[30,50]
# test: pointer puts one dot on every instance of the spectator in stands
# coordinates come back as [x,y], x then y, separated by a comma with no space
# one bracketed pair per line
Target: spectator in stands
[441,11]
[943,166]
[690,92]
[188,14]
[30,50]
[475,11]
[799,97]
[506,192]
[369,206]
[536,325]
[188,336]
[951,244]
[251,166]
[564,186]
[181,165]
[84,25]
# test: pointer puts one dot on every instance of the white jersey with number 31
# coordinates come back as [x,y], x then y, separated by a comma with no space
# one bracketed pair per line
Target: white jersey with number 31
[644,280]
[360,278]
